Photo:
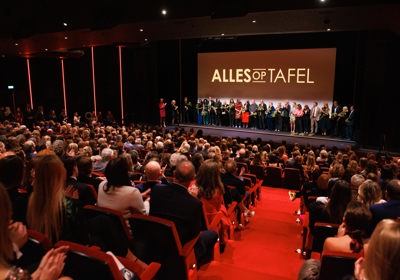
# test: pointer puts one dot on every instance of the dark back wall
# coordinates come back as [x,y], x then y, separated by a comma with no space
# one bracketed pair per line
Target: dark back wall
[366,76]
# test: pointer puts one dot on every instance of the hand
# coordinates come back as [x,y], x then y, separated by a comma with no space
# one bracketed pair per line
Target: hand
[18,234]
[242,171]
[51,265]
[341,230]
[358,269]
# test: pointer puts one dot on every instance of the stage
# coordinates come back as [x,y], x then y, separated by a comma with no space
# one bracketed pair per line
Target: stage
[270,136]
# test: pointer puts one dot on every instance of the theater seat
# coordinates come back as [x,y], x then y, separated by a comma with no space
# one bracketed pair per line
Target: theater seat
[85,262]
[273,177]
[156,240]
[291,179]
[336,265]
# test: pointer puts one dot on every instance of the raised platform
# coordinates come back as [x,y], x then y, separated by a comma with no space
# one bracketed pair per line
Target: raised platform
[273,136]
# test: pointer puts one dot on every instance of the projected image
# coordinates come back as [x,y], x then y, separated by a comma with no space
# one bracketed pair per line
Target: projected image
[300,75]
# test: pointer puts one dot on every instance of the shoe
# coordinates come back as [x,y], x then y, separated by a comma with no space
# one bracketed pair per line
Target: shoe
[292,195]
[248,213]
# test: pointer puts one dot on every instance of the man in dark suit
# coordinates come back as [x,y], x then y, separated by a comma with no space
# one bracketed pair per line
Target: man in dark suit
[389,209]
[173,202]
[152,172]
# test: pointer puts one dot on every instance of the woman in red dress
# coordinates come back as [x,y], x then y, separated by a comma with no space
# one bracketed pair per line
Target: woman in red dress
[162,106]
[211,191]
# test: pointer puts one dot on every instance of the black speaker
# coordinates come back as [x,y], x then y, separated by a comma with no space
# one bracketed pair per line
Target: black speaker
[228,8]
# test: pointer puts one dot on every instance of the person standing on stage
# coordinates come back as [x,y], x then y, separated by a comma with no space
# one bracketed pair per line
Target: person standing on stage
[238,113]
[350,123]
[161,107]
[187,108]
[306,119]
[270,116]
[231,110]
[218,111]
[253,114]
[298,115]
[174,112]
[336,109]
[314,117]
[245,114]
[292,118]
[285,116]
[224,113]
[261,109]
[212,111]
[199,110]
[341,122]
[205,112]
[324,121]
[278,117]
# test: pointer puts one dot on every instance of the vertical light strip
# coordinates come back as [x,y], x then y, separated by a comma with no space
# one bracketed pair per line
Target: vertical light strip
[180,71]
[94,82]
[120,83]
[28,66]
[63,83]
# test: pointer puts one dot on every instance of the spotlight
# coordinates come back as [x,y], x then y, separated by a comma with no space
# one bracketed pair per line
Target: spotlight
[164,12]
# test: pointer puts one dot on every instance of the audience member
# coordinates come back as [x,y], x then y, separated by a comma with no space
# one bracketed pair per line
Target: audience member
[117,191]
[174,202]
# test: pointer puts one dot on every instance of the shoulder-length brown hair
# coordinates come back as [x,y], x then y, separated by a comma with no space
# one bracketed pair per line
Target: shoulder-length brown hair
[208,179]
[46,203]
[6,252]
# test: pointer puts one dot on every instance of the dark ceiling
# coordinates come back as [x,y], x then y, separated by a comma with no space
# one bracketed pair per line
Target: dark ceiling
[32,27]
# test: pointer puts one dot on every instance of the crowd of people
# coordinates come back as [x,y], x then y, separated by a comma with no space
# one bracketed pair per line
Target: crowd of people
[338,121]
[45,169]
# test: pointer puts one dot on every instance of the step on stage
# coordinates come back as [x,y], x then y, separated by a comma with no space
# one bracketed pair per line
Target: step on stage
[270,136]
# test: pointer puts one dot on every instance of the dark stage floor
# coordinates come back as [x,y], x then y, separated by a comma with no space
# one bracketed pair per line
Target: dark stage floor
[273,136]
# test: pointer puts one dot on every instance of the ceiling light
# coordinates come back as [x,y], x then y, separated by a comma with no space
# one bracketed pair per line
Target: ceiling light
[164,12]
[46,50]
[66,37]
[65,24]
[141,29]
[222,34]
[254,21]
[145,39]
[15,44]
[321,0]
[328,29]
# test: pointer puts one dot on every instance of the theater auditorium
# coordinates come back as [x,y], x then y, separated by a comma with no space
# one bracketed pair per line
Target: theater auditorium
[199,140]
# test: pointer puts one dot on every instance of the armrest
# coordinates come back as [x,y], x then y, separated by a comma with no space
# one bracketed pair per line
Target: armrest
[231,208]
[214,225]
[144,271]
[188,247]
[151,271]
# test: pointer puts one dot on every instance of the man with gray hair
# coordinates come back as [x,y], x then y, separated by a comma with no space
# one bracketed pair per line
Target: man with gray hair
[107,154]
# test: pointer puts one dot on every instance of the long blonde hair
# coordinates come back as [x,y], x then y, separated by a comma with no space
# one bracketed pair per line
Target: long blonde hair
[383,255]
[46,203]
[6,252]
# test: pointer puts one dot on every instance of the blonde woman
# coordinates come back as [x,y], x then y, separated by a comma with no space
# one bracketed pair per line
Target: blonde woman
[382,257]
[46,203]
[14,235]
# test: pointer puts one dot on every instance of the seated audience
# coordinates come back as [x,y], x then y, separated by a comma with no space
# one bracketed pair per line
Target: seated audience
[370,193]
[117,191]
[353,232]
[13,235]
[85,168]
[381,261]
[211,191]
[152,172]
[391,208]
[173,202]
[107,154]
[46,206]
[309,270]
[11,175]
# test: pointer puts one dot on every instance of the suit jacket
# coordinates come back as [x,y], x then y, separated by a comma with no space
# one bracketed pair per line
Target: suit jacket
[173,202]
[387,210]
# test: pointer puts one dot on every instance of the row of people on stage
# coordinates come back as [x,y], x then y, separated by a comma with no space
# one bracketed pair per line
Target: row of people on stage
[288,117]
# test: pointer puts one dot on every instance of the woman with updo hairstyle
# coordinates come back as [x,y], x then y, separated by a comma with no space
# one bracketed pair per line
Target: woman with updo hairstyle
[382,257]
[211,193]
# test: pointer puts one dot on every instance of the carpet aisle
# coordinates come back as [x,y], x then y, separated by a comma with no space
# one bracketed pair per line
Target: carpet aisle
[266,248]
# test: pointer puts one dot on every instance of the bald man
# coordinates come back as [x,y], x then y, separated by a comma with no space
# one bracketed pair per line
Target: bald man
[152,172]
[173,202]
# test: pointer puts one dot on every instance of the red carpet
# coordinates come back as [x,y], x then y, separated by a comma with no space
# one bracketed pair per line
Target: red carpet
[265,249]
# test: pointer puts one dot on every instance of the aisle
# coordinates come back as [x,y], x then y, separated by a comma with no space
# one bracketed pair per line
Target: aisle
[266,248]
